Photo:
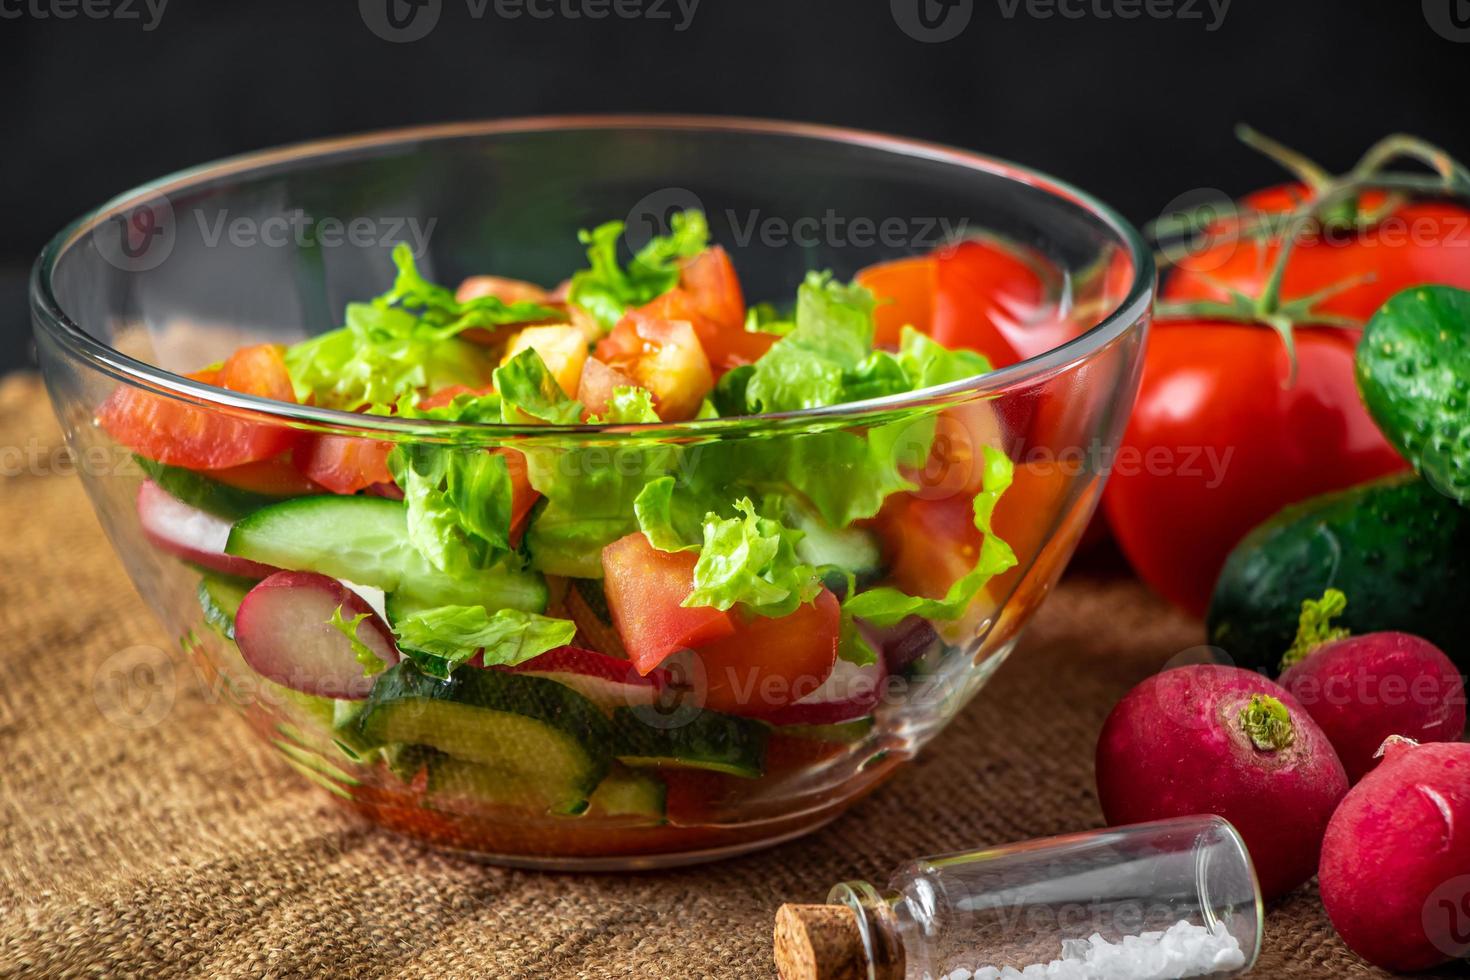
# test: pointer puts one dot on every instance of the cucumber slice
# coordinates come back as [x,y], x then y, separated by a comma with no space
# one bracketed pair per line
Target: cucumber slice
[220,597]
[458,786]
[629,793]
[709,740]
[524,727]
[199,491]
[365,540]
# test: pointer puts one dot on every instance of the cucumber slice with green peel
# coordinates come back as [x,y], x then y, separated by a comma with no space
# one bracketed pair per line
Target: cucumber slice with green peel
[520,726]
[708,740]
[365,540]
[457,786]
[629,793]
[220,597]
[199,491]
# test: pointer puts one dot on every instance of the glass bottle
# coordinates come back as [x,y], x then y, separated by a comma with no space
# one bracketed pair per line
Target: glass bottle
[1164,901]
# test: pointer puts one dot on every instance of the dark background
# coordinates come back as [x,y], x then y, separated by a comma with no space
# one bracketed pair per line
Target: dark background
[1136,111]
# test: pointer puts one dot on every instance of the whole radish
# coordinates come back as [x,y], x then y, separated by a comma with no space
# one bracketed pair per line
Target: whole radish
[1362,689]
[1396,859]
[1215,739]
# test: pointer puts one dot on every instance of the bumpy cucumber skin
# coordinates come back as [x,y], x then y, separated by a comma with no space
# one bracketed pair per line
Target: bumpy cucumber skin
[1413,368]
[708,740]
[1398,549]
[536,698]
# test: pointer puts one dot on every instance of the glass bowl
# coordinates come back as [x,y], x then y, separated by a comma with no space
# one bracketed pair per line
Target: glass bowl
[567,766]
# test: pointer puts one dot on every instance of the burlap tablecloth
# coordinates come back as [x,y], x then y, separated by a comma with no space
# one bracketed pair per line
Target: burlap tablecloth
[185,847]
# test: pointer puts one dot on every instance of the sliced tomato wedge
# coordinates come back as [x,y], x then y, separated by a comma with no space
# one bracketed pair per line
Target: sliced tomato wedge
[205,438]
[767,664]
[644,588]
[710,281]
[345,464]
[993,299]
[523,496]
[276,477]
[595,387]
[904,289]
[666,357]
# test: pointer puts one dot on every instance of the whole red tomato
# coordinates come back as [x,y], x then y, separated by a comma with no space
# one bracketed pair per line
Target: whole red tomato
[1218,442]
[1413,244]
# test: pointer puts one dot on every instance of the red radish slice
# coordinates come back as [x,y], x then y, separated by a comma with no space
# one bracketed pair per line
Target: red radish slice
[850,692]
[284,631]
[605,681]
[190,533]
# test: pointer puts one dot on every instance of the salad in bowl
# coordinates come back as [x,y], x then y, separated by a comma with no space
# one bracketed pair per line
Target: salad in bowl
[623,568]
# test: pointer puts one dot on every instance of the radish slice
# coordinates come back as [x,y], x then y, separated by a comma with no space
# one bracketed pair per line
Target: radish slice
[190,533]
[284,631]
[903,642]
[849,692]
[605,681]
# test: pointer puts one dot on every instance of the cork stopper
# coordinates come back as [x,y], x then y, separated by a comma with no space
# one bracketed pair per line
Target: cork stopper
[824,942]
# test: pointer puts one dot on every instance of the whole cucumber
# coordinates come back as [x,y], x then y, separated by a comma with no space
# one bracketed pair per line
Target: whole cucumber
[1413,369]
[1398,548]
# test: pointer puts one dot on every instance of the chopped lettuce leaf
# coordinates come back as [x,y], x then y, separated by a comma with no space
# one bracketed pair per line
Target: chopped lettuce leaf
[751,560]
[507,636]
[885,606]
[529,394]
[807,368]
[666,525]
[606,290]
[852,646]
[630,404]
[458,501]
[927,362]
[371,662]
[765,318]
[401,342]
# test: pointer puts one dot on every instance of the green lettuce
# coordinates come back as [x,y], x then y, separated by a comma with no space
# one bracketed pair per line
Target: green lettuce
[508,637]
[530,395]
[752,560]
[371,662]
[401,342]
[607,289]
[809,367]
[885,606]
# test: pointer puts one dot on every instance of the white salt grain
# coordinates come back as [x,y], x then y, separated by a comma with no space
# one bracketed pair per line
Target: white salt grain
[1185,950]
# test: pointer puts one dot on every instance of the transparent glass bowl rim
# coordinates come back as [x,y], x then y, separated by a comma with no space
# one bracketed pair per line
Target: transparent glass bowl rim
[121,367]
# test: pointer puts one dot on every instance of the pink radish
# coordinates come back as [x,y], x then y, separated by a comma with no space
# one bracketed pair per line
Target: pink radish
[1396,858]
[1363,689]
[849,692]
[190,533]
[1221,740]
[605,681]
[284,632]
